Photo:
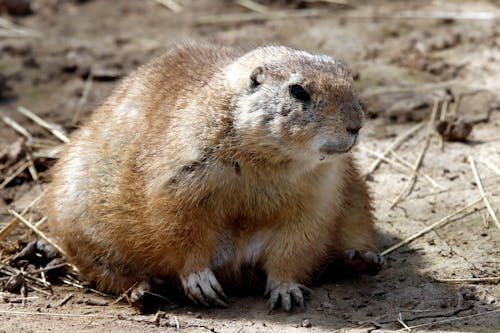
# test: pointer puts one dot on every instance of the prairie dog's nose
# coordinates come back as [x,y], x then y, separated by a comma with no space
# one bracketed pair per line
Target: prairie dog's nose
[353,116]
[353,130]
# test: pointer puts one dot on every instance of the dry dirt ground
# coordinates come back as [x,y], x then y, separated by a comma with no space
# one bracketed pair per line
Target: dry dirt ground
[405,55]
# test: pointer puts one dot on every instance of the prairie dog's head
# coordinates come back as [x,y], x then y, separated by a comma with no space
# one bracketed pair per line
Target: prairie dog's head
[294,103]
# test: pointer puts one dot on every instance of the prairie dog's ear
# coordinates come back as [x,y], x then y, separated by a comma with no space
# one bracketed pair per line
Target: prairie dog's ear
[257,77]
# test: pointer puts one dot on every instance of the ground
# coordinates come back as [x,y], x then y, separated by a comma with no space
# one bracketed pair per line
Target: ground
[404,55]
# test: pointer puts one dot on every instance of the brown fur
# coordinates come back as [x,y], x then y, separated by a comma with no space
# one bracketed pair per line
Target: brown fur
[165,175]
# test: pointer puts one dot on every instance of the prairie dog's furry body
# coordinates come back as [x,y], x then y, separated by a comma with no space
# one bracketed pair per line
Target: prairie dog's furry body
[206,159]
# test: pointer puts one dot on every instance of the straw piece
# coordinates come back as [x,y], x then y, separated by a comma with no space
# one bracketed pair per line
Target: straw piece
[32,168]
[15,173]
[394,145]
[84,97]
[170,4]
[37,231]
[50,152]
[442,117]
[251,17]
[471,280]
[491,166]
[449,320]
[17,127]
[481,191]
[51,128]
[12,223]
[400,320]
[253,6]
[418,162]
[401,163]
[14,30]
[439,223]
[49,314]
[420,173]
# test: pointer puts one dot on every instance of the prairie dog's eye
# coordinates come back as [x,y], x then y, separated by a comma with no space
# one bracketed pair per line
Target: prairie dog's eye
[299,93]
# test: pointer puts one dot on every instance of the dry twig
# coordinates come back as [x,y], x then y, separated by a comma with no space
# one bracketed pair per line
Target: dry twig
[431,227]
[65,300]
[13,30]
[442,117]
[170,4]
[400,320]
[254,17]
[400,163]
[37,231]
[18,128]
[50,127]
[491,166]
[22,166]
[253,6]
[394,145]
[481,191]
[84,97]
[418,162]
[471,280]
[12,223]
[449,320]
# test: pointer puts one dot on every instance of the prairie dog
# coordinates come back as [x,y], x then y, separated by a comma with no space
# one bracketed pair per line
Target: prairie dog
[206,159]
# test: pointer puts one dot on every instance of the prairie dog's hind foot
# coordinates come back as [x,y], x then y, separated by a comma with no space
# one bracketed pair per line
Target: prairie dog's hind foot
[138,291]
[362,261]
[286,293]
[203,288]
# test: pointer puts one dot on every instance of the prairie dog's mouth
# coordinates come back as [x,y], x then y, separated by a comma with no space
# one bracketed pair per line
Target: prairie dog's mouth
[332,147]
[330,150]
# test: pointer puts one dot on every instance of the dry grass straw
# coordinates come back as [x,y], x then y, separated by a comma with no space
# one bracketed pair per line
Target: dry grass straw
[409,328]
[332,2]
[83,98]
[482,192]
[170,4]
[471,280]
[401,164]
[50,127]
[77,284]
[49,152]
[12,224]
[50,314]
[453,216]
[253,6]
[400,320]
[31,167]
[36,231]
[29,159]
[394,145]
[494,168]
[418,162]
[304,13]
[442,117]
[10,29]
[18,169]
[18,128]
[254,16]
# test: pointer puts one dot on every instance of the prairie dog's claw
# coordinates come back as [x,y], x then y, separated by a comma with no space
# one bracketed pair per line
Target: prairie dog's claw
[363,261]
[286,293]
[203,288]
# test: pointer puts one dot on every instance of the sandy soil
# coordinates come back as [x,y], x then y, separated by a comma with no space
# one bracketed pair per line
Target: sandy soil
[404,55]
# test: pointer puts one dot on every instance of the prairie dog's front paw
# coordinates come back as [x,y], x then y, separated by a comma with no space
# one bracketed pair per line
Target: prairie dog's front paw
[286,293]
[203,288]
